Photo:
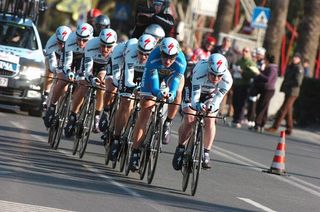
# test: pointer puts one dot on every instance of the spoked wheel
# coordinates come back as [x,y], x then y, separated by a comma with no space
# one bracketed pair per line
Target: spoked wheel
[53,131]
[78,135]
[123,154]
[154,151]
[186,166]
[87,127]
[62,120]
[145,154]
[127,161]
[196,161]
[107,147]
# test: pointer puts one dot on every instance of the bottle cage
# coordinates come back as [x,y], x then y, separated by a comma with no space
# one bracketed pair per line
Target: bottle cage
[23,8]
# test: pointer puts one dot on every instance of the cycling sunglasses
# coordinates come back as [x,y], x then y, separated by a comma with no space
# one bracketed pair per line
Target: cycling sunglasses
[166,56]
[82,39]
[106,46]
[216,75]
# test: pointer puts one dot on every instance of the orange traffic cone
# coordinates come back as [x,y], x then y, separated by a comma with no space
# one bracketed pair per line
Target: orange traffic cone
[278,163]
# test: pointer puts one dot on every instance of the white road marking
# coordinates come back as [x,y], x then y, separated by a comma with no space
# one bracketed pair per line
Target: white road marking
[256,204]
[7,206]
[312,189]
[112,180]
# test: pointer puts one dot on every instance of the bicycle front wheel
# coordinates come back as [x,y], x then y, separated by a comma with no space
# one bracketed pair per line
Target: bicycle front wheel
[186,166]
[196,160]
[154,150]
[87,127]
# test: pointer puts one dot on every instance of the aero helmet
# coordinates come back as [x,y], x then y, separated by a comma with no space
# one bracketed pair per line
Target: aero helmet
[62,33]
[169,46]
[84,30]
[108,36]
[155,30]
[146,43]
[218,64]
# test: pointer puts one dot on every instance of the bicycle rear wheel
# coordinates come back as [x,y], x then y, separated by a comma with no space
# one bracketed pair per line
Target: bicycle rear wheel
[87,127]
[53,131]
[186,167]
[196,160]
[123,154]
[154,150]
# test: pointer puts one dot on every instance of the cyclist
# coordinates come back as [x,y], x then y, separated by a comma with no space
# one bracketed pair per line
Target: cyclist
[118,64]
[156,31]
[101,22]
[92,14]
[97,65]
[53,51]
[167,64]
[211,80]
[74,50]
[153,14]
[205,51]
[135,59]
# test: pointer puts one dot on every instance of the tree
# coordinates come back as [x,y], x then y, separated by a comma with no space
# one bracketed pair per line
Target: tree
[224,17]
[309,32]
[276,27]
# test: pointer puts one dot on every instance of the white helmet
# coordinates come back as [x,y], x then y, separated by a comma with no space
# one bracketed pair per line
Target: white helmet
[62,33]
[84,30]
[108,36]
[217,63]
[146,43]
[169,46]
[155,30]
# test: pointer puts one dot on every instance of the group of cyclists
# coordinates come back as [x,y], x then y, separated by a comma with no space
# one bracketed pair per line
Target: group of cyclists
[150,67]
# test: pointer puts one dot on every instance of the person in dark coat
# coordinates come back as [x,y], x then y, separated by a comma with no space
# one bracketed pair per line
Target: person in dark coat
[154,12]
[291,88]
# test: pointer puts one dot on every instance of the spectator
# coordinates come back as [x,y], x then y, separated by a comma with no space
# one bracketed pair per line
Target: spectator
[205,51]
[254,91]
[306,67]
[153,13]
[265,84]
[244,70]
[291,88]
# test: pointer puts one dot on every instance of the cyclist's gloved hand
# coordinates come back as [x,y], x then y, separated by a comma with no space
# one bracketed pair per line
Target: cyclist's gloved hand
[161,95]
[171,97]
[136,89]
[95,81]
[200,107]
[71,75]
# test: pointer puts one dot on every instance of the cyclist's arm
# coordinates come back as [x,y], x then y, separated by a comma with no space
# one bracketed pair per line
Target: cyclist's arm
[88,65]
[53,63]
[68,60]
[155,84]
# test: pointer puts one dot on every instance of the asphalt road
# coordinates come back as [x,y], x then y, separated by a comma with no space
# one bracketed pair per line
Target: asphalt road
[34,177]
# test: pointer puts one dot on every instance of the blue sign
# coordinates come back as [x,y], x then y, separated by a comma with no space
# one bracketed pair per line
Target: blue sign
[122,11]
[260,17]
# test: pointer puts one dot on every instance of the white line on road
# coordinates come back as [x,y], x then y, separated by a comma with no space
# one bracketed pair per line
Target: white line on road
[257,166]
[256,204]
[152,204]
[14,206]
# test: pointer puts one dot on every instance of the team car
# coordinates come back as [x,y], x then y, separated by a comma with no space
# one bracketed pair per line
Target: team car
[22,62]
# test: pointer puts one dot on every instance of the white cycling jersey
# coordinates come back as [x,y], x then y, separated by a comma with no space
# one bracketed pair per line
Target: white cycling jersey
[129,63]
[202,85]
[72,51]
[50,52]
[92,54]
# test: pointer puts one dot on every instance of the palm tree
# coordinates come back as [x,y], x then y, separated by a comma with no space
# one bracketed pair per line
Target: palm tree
[309,31]
[276,27]
[224,17]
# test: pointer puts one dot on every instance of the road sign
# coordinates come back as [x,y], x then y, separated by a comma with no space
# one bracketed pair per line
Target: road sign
[260,17]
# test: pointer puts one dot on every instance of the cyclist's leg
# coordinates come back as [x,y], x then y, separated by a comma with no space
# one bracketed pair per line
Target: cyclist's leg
[209,135]
[77,100]
[172,111]
[99,104]
[121,119]
[57,91]
[109,97]
[48,80]
[185,131]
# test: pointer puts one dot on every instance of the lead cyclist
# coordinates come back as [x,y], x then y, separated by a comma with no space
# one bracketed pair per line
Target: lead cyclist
[165,64]
[211,80]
